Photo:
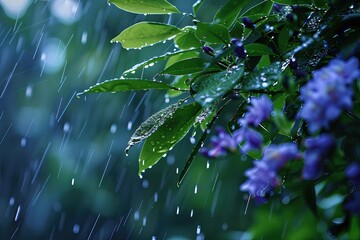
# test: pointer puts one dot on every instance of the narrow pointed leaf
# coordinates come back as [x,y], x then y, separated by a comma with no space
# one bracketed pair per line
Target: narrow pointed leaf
[210,88]
[167,135]
[212,33]
[228,13]
[188,66]
[258,49]
[156,59]
[121,85]
[196,6]
[179,57]
[187,40]
[145,6]
[145,33]
[259,9]
[152,124]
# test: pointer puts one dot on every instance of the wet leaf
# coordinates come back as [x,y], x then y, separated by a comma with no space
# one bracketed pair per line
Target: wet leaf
[121,85]
[212,33]
[209,88]
[283,38]
[228,13]
[294,2]
[188,66]
[262,8]
[187,40]
[167,135]
[145,6]
[263,78]
[196,6]
[258,49]
[144,34]
[179,57]
[152,124]
[156,59]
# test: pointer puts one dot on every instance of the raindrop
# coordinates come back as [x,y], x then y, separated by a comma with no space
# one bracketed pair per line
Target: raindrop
[144,221]
[156,197]
[192,140]
[113,128]
[129,126]
[66,127]
[198,229]
[195,189]
[192,213]
[177,210]
[12,201]
[145,183]
[207,165]
[23,142]
[84,37]
[76,228]
[17,213]
[136,216]
[28,91]
[72,181]
[170,160]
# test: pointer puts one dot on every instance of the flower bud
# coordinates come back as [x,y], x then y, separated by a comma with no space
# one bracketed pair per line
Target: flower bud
[208,50]
[248,23]
[240,50]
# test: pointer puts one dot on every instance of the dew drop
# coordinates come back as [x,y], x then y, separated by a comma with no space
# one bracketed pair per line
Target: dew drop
[76,228]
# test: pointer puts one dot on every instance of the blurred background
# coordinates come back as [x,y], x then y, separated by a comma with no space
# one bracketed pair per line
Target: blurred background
[63,171]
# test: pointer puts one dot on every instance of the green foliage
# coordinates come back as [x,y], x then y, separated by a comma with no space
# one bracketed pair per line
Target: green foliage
[310,31]
[145,6]
[144,34]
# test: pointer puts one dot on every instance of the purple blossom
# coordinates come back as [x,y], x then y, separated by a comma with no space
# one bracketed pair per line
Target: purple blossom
[240,50]
[328,93]
[353,203]
[317,149]
[353,173]
[263,177]
[251,138]
[248,22]
[276,156]
[209,50]
[259,111]
[221,144]
[262,180]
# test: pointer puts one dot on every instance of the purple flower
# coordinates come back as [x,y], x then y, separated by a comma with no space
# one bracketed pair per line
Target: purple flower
[353,173]
[277,7]
[276,156]
[222,143]
[240,50]
[328,93]
[317,149]
[251,138]
[208,50]
[248,23]
[353,203]
[259,111]
[262,180]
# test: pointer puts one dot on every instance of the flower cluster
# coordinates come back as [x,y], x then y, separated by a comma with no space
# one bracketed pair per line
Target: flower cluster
[317,150]
[353,174]
[259,110]
[263,177]
[328,93]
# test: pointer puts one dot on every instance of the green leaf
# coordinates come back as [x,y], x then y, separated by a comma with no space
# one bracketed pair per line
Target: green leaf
[152,61]
[179,57]
[187,40]
[212,33]
[228,13]
[263,78]
[262,8]
[144,34]
[145,6]
[197,5]
[178,82]
[294,2]
[188,66]
[129,84]
[283,39]
[258,49]
[209,88]
[152,124]
[167,135]
[310,196]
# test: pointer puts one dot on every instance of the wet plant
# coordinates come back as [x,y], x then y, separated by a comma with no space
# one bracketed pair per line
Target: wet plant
[290,72]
